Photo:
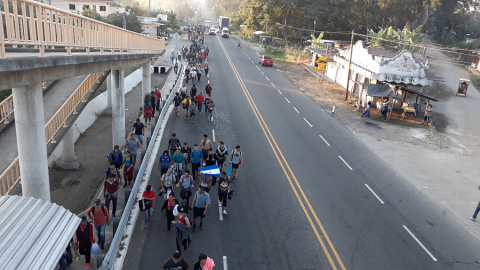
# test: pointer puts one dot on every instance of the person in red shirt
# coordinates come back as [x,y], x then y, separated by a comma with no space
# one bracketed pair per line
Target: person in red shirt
[99,215]
[200,98]
[110,192]
[85,239]
[148,195]
[159,98]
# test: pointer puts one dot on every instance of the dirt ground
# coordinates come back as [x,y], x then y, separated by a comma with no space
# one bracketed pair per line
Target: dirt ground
[76,190]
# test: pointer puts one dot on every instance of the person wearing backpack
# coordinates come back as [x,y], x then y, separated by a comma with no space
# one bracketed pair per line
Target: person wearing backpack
[167,181]
[84,241]
[98,214]
[115,156]
[186,182]
[177,161]
[182,224]
[173,144]
[208,89]
[211,107]
[223,189]
[220,154]
[169,205]
[153,101]
[110,192]
[200,99]
[177,100]
[236,159]
[187,151]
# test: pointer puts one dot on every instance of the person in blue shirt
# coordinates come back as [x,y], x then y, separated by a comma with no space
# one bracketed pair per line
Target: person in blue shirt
[196,160]
[165,161]
[115,156]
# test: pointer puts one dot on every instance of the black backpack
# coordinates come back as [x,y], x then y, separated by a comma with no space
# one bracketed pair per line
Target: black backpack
[103,210]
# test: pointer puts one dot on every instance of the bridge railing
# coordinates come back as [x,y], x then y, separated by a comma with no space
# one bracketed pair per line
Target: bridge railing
[6,109]
[29,23]
[59,119]
[11,176]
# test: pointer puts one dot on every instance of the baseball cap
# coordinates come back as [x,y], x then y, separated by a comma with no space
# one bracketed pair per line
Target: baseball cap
[177,255]
[185,143]
[98,202]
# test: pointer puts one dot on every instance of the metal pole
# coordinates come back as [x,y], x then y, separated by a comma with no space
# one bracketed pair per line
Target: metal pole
[314,24]
[349,67]
[124,20]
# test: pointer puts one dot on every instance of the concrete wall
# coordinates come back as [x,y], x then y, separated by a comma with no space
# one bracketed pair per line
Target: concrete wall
[93,110]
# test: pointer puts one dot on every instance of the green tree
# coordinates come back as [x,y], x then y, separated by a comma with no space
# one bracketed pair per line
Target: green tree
[131,20]
[92,13]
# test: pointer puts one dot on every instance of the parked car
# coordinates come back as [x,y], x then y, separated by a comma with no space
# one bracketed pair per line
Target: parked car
[266,60]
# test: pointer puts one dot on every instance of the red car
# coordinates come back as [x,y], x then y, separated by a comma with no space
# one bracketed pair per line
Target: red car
[266,60]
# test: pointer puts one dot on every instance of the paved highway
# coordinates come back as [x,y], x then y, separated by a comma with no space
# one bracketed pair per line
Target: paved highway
[310,195]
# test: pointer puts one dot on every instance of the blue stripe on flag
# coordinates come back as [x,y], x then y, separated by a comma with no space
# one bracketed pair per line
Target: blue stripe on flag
[210,170]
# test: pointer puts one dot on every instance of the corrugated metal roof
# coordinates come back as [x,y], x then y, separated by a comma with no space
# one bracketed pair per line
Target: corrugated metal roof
[33,233]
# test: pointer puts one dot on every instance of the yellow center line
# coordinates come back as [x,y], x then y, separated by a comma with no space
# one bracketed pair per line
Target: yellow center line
[285,166]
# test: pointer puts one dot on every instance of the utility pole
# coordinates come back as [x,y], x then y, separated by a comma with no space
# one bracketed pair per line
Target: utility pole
[124,20]
[349,67]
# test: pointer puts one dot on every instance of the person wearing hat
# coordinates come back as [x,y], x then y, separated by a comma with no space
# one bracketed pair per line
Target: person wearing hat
[98,214]
[176,262]
[167,181]
[139,130]
[131,145]
[116,157]
[84,239]
[110,192]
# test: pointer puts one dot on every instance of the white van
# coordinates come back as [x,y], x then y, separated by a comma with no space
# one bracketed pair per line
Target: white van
[225,33]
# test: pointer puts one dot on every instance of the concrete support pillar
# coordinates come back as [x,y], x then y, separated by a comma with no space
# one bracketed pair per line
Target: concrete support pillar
[146,81]
[109,91]
[68,161]
[32,149]
[118,107]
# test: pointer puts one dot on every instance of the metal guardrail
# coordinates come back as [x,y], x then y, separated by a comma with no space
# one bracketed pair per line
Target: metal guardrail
[114,249]
[11,176]
[6,109]
[29,23]
[59,119]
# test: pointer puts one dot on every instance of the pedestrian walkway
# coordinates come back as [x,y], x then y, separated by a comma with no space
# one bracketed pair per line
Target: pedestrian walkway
[93,146]
[53,99]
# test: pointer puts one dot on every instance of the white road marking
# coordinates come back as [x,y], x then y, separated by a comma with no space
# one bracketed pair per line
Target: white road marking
[213,133]
[249,58]
[287,100]
[279,92]
[225,264]
[324,140]
[273,84]
[253,62]
[374,194]
[262,73]
[267,78]
[258,68]
[308,122]
[296,110]
[346,163]
[420,243]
